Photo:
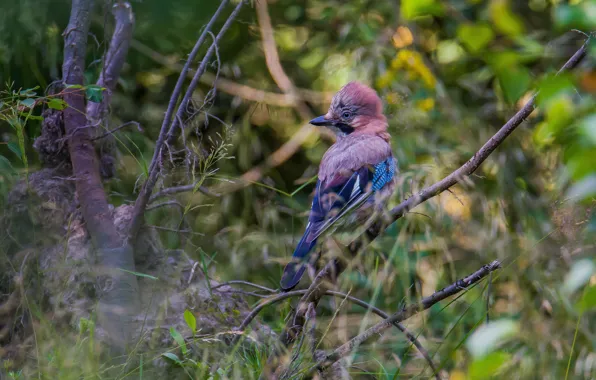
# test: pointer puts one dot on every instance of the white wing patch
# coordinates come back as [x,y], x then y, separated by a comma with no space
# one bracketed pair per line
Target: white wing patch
[356,188]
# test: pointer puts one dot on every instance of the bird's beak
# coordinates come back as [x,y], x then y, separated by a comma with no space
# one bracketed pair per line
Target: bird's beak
[322,121]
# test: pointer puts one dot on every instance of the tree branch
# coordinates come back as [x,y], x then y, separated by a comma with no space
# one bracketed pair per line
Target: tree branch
[167,128]
[172,133]
[89,187]
[114,60]
[407,312]
[411,337]
[282,296]
[118,301]
[333,268]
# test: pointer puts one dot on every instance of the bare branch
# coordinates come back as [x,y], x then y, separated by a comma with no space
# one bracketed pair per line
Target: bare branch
[407,312]
[181,189]
[411,337]
[195,80]
[240,282]
[165,204]
[112,131]
[282,296]
[114,59]
[167,129]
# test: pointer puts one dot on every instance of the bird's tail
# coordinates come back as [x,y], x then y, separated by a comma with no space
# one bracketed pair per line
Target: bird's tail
[301,258]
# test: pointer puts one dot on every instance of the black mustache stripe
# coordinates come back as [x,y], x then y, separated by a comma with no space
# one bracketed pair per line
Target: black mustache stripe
[345,128]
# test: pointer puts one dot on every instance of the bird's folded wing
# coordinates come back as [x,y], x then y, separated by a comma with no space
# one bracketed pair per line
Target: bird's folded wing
[342,194]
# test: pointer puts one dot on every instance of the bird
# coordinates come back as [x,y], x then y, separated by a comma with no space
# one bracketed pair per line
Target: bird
[357,173]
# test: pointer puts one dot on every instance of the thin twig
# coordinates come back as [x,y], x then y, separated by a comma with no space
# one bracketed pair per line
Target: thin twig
[245,292]
[240,282]
[181,189]
[176,124]
[143,198]
[110,132]
[165,204]
[176,230]
[280,297]
[407,312]
[411,337]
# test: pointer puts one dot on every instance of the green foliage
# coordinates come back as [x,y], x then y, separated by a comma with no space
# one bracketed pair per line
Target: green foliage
[450,73]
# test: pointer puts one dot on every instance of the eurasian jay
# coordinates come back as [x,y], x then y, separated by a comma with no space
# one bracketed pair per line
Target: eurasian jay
[355,174]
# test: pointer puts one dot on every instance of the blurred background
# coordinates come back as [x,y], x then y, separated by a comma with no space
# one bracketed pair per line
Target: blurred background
[450,73]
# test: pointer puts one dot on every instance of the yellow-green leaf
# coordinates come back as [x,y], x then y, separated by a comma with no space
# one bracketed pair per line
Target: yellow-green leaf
[475,36]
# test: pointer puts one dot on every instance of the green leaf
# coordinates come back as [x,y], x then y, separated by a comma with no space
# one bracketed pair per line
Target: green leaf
[29,92]
[475,36]
[551,87]
[6,166]
[587,128]
[190,320]
[558,117]
[578,16]
[579,161]
[173,357]
[94,93]
[449,51]
[15,149]
[504,19]
[488,366]
[31,117]
[588,300]
[514,82]
[179,340]
[74,86]
[29,102]
[57,104]
[411,9]
[486,338]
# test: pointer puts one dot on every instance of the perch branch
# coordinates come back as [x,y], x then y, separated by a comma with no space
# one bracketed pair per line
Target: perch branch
[143,198]
[333,268]
[407,312]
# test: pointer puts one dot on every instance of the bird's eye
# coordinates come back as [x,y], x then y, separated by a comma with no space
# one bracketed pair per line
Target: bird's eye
[346,114]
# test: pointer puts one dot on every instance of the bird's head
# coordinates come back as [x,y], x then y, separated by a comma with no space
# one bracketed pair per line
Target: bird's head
[356,108]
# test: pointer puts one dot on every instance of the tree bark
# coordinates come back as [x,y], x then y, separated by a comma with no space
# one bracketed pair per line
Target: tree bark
[119,291]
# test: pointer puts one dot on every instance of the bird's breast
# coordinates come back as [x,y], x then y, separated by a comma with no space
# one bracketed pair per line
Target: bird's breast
[353,152]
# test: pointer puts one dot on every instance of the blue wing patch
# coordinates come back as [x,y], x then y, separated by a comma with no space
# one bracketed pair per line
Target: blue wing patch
[384,172]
